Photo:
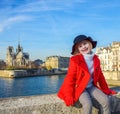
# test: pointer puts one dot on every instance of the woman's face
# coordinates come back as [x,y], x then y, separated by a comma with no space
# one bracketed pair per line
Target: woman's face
[85,47]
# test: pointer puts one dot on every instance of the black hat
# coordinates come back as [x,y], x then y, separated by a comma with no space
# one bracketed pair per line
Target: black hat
[80,38]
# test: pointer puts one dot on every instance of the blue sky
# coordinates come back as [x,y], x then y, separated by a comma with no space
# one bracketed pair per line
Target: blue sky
[48,27]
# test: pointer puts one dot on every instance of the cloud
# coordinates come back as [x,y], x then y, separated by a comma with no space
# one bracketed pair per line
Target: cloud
[48,5]
[12,20]
[23,11]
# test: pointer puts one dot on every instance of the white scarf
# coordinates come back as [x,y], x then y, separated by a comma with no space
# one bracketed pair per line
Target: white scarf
[89,61]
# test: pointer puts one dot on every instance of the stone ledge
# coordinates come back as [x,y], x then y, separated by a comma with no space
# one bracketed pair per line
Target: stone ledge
[43,104]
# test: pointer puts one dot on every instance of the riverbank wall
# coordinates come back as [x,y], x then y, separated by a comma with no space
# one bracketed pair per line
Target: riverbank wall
[109,75]
[112,78]
[112,75]
[44,104]
[27,73]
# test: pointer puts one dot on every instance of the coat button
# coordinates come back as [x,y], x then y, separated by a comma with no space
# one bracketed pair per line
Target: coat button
[97,68]
[76,85]
[82,74]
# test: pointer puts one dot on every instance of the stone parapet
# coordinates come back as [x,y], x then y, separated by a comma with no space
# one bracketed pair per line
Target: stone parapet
[43,104]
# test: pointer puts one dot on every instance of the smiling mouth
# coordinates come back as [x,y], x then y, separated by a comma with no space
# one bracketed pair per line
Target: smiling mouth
[85,50]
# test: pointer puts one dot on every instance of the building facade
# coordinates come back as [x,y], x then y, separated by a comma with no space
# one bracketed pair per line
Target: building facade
[2,64]
[57,62]
[18,58]
[110,57]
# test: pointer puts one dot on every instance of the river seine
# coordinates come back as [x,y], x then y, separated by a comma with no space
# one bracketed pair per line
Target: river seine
[31,86]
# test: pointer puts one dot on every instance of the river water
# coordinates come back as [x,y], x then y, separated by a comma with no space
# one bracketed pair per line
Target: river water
[31,86]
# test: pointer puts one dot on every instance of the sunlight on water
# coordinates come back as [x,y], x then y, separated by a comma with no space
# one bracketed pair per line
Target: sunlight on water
[32,86]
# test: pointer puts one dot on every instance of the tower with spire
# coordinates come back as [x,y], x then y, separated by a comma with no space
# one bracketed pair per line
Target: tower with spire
[18,58]
[19,48]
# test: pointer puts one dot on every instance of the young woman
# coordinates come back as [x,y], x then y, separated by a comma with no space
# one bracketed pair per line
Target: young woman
[85,79]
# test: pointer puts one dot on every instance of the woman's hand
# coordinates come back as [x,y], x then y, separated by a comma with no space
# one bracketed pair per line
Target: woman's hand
[113,92]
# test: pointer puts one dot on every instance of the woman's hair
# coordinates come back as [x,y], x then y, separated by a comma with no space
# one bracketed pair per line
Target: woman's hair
[76,47]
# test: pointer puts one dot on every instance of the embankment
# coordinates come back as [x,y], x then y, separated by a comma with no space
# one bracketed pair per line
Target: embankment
[26,73]
[44,104]
[113,78]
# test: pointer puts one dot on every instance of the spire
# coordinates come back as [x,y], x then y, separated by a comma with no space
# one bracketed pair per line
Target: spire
[19,47]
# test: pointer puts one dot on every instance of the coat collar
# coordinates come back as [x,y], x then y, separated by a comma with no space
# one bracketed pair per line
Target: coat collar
[81,61]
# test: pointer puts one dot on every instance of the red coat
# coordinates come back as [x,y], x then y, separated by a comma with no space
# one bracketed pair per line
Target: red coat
[78,77]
